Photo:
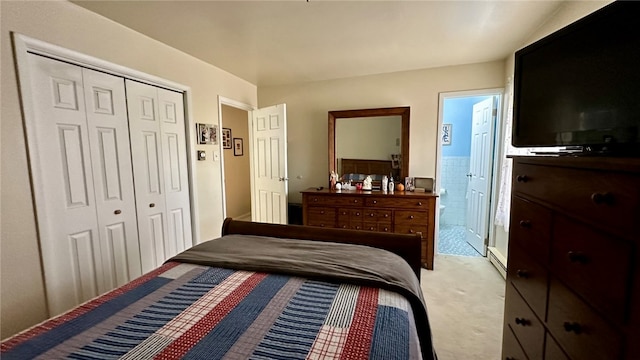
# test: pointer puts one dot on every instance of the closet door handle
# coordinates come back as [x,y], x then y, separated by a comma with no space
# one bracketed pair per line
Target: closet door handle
[152,205]
[118,212]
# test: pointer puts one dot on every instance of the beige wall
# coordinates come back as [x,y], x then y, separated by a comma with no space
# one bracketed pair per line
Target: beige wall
[67,25]
[237,179]
[308,105]
[567,13]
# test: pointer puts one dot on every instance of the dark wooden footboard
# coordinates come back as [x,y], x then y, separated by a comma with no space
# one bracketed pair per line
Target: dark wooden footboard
[406,246]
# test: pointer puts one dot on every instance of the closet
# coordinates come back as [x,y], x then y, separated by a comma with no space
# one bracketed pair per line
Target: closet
[109,173]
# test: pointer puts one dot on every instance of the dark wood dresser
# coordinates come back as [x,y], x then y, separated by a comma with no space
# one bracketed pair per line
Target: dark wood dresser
[573,272]
[397,212]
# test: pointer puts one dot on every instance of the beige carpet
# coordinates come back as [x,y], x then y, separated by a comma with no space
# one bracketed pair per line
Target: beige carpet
[465,301]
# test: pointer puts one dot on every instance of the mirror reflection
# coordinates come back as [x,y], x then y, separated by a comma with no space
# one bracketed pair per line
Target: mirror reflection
[371,142]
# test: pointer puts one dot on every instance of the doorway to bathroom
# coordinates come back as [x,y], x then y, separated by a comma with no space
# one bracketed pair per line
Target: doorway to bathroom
[468,122]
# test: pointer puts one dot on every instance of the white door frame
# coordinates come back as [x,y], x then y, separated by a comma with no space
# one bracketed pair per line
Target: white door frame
[25,45]
[499,92]
[242,106]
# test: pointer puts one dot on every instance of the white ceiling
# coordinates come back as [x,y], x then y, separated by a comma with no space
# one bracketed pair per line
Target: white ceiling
[281,42]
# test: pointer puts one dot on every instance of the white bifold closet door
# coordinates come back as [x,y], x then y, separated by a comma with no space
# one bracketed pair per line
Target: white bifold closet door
[156,120]
[109,166]
[83,184]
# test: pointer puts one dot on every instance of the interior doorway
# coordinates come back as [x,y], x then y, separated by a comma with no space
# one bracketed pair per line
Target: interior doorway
[466,148]
[236,167]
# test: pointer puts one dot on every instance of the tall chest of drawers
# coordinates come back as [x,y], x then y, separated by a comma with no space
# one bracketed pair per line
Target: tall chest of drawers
[398,212]
[573,271]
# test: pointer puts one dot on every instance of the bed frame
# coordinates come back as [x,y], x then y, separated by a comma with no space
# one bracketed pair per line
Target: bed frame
[368,167]
[406,246]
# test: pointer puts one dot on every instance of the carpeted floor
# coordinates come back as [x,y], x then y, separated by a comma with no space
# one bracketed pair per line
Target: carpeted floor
[465,301]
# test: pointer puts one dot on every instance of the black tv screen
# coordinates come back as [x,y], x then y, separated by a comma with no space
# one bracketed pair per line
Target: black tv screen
[580,86]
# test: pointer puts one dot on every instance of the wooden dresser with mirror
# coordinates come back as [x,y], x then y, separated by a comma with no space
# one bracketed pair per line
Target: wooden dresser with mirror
[365,141]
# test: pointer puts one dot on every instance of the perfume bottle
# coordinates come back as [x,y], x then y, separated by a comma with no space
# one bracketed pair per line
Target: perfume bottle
[385,183]
[392,186]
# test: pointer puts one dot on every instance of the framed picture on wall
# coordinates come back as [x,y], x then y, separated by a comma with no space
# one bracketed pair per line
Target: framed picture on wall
[226,138]
[207,133]
[446,134]
[237,147]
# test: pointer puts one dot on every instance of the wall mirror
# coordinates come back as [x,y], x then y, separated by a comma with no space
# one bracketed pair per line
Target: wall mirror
[368,141]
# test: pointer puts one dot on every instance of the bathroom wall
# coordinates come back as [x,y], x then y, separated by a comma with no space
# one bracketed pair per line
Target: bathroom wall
[455,159]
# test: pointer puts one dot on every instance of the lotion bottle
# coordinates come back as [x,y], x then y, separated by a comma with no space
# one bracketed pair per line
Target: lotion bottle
[392,186]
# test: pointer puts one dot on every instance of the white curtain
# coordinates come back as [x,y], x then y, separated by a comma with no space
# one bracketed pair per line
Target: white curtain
[504,195]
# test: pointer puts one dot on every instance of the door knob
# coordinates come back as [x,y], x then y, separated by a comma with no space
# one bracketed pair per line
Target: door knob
[283,179]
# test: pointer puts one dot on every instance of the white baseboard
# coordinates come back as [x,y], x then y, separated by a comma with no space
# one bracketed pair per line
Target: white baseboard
[498,260]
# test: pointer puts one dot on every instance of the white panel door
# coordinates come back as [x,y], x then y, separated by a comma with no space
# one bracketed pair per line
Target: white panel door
[148,171]
[176,178]
[63,185]
[113,179]
[269,158]
[158,147]
[482,131]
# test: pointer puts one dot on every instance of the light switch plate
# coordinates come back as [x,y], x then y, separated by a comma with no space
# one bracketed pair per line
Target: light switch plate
[202,155]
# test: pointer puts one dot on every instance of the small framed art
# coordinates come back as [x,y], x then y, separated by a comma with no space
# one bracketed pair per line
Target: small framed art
[207,133]
[238,149]
[226,138]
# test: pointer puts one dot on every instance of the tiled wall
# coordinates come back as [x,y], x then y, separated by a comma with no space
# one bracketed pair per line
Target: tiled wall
[454,180]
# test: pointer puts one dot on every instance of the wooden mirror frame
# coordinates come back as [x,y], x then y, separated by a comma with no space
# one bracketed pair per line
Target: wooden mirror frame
[403,112]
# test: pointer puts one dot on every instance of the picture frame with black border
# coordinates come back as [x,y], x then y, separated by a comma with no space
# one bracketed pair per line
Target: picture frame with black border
[226,138]
[238,149]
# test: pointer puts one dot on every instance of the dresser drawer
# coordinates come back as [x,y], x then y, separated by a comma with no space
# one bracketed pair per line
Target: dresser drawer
[321,216]
[525,325]
[410,217]
[403,203]
[372,226]
[511,349]
[530,227]
[579,330]
[410,229]
[592,264]
[379,216]
[552,350]
[609,198]
[336,200]
[530,279]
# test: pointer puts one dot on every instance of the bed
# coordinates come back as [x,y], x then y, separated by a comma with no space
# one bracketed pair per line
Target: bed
[260,291]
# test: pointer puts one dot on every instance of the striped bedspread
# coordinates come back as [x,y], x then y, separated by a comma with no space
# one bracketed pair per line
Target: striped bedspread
[195,311]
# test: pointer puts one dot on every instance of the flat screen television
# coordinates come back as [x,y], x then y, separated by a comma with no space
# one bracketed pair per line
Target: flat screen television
[580,86]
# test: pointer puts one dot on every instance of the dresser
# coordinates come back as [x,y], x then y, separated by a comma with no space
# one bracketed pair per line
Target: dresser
[397,212]
[573,272]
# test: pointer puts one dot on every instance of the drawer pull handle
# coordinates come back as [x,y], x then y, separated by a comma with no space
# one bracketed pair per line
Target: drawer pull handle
[419,203]
[355,201]
[411,231]
[372,214]
[375,202]
[602,198]
[357,227]
[322,212]
[118,212]
[386,215]
[344,226]
[386,229]
[525,224]
[522,178]
[152,205]
[358,214]
[315,199]
[371,228]
[410,216]
[524,274]
[572,327]
[523,322]
[577,257]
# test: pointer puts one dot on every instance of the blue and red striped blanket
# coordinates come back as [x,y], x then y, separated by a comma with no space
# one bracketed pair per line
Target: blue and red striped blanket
[196,311]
